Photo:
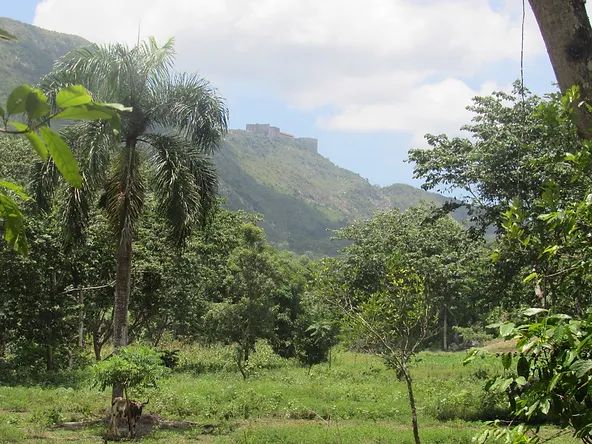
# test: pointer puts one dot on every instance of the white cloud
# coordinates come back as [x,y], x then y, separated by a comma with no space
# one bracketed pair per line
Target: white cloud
[397,65]
[436,108]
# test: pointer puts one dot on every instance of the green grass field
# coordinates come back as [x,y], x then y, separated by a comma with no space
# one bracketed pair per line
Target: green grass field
[355,400]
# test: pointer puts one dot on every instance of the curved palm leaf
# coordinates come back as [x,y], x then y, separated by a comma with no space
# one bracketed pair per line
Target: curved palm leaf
[44,182]
[123,198]
[75,215]
[192,106]
[186,182]
[94,144]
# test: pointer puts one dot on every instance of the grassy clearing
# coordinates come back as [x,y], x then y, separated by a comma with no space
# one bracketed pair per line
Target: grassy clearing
[355,400]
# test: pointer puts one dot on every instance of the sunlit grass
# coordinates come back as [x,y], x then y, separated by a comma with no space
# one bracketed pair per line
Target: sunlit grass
[356,399]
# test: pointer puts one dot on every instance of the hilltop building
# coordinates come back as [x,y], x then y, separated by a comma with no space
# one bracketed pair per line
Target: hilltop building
[273,132]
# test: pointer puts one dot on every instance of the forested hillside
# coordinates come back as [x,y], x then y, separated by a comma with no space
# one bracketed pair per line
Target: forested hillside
[301,195]
[32,54]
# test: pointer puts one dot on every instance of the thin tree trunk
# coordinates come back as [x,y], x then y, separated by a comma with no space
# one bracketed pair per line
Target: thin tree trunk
[81,343]
[50,364]
[97,346]
[566,30]
[414,422]
[2,347]
[445,328]
[77,283]
[122,291]
[240,364]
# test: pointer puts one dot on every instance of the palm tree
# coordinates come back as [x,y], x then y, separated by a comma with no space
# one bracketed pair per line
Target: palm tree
[176,122]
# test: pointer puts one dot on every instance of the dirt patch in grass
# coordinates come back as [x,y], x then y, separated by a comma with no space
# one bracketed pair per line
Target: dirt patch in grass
[145,425]
[500,346]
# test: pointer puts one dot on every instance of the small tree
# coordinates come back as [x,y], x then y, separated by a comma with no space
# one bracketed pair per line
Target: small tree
[314,342]
[132,367]
[247,311]
[392,321]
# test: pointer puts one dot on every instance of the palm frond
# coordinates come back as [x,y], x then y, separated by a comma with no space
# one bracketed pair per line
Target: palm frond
[94,145]
[157,60]
[190,105]
[186,183]
[102,69]
[45,179]
[124,193]
[75,215]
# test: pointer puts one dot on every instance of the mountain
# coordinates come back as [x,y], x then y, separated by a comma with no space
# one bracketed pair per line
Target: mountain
[301,195]
[31,56]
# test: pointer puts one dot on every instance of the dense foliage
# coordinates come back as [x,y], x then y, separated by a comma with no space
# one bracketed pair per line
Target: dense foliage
[28,113]
[453,267]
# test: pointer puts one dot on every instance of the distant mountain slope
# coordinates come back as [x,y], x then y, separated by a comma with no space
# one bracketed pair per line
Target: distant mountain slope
[301,194]
[31,56]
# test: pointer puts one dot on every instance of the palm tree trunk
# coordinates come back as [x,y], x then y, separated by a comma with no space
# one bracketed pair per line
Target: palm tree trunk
[122,291]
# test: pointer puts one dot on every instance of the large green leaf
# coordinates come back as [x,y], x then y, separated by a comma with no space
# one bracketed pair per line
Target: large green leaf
[14,228]
[534,311]
[581,367]
[16,189]
[36,104]
[74,95]
[17,100]
[62,156]
[506,329]
[36,141]
[86,112]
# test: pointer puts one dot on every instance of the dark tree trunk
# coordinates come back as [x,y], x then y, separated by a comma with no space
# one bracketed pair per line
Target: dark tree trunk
[445,327]
[50,362]
[414,422]
[97,346]
[81,342]
[122,291]
[566,30]
[240,360]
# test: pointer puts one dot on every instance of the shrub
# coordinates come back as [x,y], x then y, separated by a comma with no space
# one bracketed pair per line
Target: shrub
[170,358]
[471,336]
[314,343]
[132,367]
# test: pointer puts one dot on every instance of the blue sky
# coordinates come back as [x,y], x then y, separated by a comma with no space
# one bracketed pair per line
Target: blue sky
[368,78]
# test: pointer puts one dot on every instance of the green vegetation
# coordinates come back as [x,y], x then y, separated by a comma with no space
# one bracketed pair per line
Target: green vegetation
[356,399]
[31,105]
[301,194]
[237,341]
[175,121]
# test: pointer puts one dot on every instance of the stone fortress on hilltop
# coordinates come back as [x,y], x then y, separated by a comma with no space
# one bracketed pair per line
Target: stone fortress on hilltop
[273,132]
